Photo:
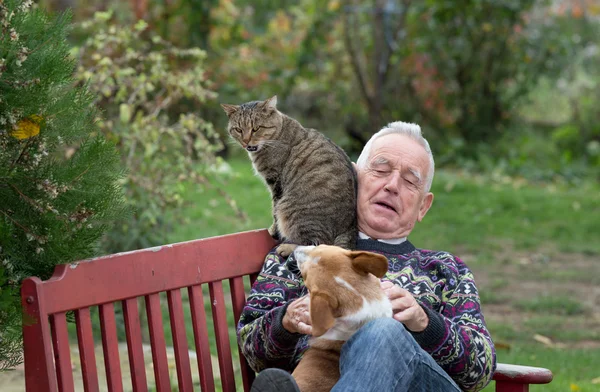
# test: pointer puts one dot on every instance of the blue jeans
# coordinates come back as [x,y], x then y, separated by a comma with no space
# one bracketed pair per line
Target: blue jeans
[383,357]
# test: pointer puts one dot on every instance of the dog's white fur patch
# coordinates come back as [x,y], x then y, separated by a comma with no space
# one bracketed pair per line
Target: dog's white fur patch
[301,255]
[346,326]
[346,285]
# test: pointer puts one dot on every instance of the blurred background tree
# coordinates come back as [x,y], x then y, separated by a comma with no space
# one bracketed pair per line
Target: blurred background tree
[476,77]
[149,90]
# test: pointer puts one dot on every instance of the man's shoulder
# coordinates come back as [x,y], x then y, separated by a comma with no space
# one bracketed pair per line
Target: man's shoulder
[439,256]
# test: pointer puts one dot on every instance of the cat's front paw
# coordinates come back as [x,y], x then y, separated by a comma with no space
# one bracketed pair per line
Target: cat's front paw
[284,250]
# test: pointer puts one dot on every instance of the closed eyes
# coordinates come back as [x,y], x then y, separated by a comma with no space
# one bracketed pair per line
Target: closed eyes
[261,127]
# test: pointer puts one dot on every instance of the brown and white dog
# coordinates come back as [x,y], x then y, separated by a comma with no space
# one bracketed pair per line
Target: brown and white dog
[344,295]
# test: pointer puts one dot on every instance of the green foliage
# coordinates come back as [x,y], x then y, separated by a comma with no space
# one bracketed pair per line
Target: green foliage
[58,175]
[149,90]
[490,58]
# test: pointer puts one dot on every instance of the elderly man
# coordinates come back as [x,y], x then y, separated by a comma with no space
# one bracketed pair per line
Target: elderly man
[437,339]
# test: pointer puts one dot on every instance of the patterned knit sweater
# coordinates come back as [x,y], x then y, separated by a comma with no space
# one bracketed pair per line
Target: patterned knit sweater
[456,337]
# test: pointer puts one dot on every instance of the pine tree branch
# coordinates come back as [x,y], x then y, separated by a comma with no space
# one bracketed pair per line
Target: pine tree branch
[12,165]
[25,229]
[79,176]
[41,45]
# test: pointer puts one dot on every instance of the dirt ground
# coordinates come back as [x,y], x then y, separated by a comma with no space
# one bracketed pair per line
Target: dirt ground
[520,276]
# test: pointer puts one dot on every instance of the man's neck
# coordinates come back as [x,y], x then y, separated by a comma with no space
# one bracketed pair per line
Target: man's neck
[393,241]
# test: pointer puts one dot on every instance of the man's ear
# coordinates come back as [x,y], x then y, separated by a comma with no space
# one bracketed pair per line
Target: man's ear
[369,262]
[229,109]
[321,313]
[425,206]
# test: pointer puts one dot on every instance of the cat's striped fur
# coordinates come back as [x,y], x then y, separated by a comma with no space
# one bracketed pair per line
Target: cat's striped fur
[311,179]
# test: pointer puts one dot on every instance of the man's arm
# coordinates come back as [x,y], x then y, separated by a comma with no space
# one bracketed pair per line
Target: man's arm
[261,336]
[458,338]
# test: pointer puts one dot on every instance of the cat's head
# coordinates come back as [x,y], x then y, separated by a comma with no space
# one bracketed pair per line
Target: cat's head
[254,124]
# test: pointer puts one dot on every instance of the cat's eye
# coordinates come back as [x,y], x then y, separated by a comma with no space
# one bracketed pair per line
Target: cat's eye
[237,130]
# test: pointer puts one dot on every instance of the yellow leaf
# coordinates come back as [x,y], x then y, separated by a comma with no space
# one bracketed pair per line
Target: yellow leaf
[333,5]
[575,387]
[596,380]
[27,127]
[543,339]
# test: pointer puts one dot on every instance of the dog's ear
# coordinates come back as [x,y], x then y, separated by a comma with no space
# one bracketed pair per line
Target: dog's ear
[321,313]
[366,262]
[229,109]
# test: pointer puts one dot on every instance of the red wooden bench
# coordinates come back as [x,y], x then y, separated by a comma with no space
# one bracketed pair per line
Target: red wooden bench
[149,274]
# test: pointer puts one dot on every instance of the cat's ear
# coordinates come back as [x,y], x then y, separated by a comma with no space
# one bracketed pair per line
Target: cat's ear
[270,103]
[229,109]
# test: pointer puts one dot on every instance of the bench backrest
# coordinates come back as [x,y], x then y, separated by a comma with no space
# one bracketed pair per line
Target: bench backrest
[121,280]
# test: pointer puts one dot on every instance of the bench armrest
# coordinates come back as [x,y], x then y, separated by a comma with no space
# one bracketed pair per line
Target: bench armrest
[522,374]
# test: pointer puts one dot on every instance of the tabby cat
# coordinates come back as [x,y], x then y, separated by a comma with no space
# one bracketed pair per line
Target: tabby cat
[312,181]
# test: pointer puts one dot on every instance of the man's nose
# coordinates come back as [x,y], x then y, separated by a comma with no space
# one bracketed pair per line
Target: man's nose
[393,183]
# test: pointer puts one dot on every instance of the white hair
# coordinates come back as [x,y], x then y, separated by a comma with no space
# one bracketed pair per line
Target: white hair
[408,129]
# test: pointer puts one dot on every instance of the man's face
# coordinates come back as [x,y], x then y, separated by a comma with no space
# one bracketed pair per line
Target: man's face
[391,187]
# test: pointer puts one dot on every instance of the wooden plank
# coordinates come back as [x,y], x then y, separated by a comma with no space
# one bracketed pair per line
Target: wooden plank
[238,299]
[180,346]
[157,343]
[85,340]
[139,273]
[207,382]
[522,374]
[133,334]
[37,341]
[62,352]
[217,300]
[110,347]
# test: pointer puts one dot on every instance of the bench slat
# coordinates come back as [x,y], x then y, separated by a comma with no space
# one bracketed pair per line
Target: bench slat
[135,350]
[238,299]
[85,339]
[37,338]
[62,352]
[157,343]
[199,326]
[217,300]
[110,347]
[180,345]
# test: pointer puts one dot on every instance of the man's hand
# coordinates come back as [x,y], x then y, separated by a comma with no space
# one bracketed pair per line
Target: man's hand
[406,308]
[297,316]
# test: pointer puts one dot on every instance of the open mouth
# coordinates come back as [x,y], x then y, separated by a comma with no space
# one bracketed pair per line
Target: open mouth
[252,148]
[383,204]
